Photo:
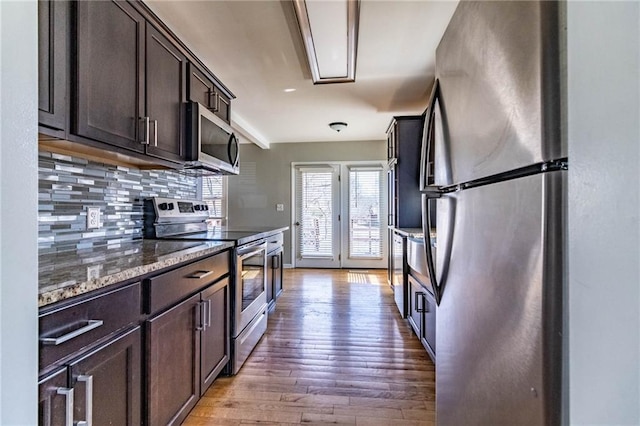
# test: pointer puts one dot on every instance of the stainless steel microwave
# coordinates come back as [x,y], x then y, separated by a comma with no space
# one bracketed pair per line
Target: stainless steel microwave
[211,143]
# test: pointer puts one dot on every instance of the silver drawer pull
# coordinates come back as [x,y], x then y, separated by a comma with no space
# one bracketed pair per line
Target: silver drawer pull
[68,405]
[54,341]
[200,274]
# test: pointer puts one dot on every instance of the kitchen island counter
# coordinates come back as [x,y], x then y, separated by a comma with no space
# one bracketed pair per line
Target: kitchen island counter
[68,274]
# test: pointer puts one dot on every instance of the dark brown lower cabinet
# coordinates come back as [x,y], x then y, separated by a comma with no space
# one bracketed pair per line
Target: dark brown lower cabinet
[102,387]
[422,315]
[55,399]
[187,347]
[173,368]
[274,277]
[215,344]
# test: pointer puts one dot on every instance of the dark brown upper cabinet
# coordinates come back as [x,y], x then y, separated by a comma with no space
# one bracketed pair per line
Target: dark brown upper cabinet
[52,64]
[165,96]
[110,74]
[130,81]
[203,90]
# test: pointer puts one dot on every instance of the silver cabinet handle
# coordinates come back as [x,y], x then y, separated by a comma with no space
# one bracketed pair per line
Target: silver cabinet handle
[145,131]
[418,296]
[68,405]
[208,321]
[198,275]
[155,133]
[216,102]
[199,312]
[54,341]
[88,401]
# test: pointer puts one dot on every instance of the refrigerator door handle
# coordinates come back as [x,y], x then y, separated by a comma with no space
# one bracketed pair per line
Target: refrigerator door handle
[426,228]
[426,167]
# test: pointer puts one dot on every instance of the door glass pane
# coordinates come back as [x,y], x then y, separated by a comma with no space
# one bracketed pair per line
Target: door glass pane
[316,213]
[365,233]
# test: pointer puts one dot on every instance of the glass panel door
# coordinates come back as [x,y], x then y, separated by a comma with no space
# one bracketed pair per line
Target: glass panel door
[364,229]
[317,216]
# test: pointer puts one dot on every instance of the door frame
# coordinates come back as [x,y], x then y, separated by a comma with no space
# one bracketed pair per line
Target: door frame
[344,211]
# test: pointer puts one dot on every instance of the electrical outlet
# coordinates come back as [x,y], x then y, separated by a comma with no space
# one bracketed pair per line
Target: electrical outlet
[93,217]
[93,272]
[280,207]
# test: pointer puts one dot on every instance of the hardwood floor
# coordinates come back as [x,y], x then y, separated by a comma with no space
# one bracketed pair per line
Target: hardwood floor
[336,352]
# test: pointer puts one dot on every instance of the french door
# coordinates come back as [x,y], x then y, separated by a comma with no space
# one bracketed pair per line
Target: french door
[338,215]
[317,218]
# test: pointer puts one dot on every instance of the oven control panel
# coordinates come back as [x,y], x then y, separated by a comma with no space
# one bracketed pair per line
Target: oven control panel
[174,209]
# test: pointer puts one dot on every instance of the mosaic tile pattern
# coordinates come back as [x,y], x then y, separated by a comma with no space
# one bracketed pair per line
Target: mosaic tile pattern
[69,185]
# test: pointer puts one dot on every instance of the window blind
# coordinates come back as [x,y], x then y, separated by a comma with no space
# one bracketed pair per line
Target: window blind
[214,195]
[314,189]
[365,199]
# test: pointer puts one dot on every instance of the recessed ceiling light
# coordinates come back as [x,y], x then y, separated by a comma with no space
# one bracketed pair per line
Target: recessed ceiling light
[289,90]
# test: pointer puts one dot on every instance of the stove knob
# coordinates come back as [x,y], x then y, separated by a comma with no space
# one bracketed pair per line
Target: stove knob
[162,206]
[196,207]
[170,206]
[205,207]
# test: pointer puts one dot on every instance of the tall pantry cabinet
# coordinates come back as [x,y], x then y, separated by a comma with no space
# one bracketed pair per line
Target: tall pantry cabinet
[404,139]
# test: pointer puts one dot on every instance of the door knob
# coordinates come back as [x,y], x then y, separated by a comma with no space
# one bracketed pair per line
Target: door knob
[297,224]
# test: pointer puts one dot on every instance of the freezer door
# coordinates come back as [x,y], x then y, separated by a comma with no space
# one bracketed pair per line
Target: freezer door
[500,263]
[498,66]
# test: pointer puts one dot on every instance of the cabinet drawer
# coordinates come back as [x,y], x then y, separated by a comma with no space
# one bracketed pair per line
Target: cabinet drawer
[169,288]
[71,328]
[275,241]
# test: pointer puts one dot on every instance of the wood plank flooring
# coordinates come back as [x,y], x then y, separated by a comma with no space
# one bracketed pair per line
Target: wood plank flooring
[336,352]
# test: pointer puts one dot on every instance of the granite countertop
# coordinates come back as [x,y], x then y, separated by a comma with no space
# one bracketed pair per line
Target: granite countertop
[68,274]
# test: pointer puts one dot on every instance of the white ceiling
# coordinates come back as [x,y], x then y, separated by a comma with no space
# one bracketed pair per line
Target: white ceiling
[255,49]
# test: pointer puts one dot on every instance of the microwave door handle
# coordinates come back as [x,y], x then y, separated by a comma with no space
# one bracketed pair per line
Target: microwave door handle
[233,145]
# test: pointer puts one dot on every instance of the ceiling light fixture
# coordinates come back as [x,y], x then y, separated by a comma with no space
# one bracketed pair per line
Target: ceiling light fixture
[323,26]
[338,126]
[289,90]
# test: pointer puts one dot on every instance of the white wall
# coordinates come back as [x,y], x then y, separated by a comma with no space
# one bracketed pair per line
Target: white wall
[18,213]
[603,43]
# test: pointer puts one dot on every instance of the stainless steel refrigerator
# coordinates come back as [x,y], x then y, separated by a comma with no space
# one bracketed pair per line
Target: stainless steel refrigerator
[494,182]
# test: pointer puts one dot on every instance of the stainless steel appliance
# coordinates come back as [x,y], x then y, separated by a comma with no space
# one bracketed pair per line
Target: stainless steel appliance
[184,220]
[494,168]
[398,251]
[250,307]
[212,145]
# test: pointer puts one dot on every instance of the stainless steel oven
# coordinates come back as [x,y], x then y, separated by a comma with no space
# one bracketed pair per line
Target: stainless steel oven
[250,318]
[251,279]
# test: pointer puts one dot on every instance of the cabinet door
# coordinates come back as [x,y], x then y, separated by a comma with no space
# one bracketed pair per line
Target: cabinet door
[55,399]
[165,96]
[429,333]
[271,293]
[173,363]
[107,383]
[214,344]
[110,79]
[391,195]
[222,107]
[204,91]
[200,87]
[414,313]
[278,272]
[52,63]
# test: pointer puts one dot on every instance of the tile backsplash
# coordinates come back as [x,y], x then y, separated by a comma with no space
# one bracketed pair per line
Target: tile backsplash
[69,185]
